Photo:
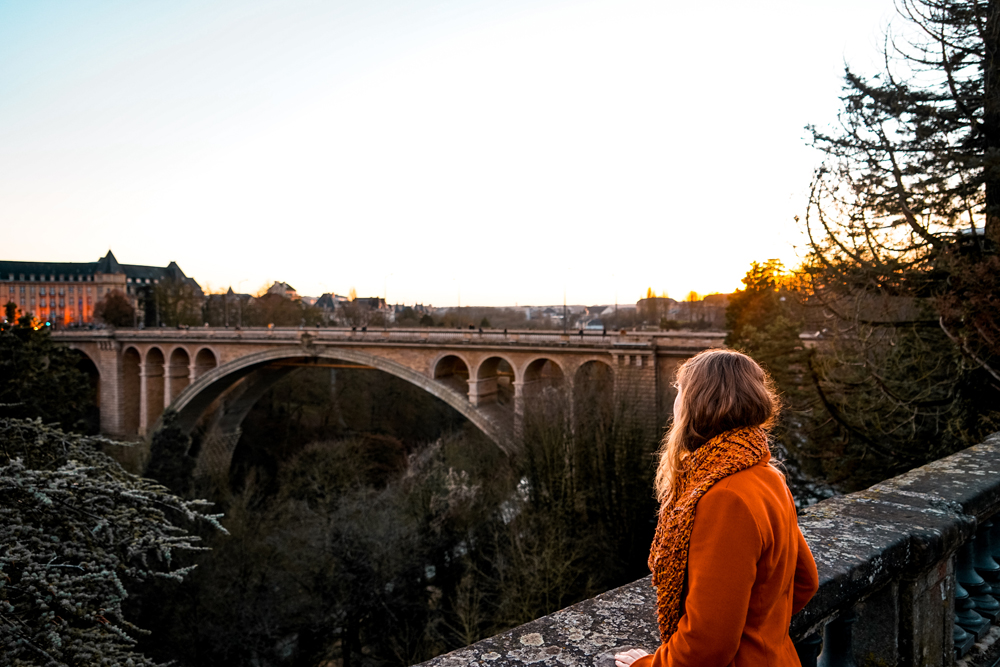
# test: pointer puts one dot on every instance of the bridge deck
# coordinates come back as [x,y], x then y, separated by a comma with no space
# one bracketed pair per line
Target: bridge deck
[586,339]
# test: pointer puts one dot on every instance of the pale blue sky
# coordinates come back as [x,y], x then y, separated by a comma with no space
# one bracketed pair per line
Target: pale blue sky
[504,150]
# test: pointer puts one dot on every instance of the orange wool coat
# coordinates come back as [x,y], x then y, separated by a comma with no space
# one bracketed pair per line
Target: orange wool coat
[749,570]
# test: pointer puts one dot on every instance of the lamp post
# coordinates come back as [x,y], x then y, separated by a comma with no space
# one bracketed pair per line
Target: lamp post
[385,297]
[239,299]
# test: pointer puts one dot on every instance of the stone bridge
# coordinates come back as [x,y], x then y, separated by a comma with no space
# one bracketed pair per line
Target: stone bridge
[213,376]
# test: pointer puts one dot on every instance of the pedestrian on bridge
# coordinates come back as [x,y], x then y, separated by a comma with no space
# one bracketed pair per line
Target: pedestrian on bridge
[729,562]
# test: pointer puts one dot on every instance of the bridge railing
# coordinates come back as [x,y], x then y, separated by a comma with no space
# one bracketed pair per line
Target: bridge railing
[908,576]
[428,335]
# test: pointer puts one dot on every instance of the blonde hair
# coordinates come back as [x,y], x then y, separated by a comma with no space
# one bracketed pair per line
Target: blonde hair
[721,390]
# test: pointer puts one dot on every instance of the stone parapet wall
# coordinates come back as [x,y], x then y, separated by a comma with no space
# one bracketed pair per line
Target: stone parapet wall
[886,560]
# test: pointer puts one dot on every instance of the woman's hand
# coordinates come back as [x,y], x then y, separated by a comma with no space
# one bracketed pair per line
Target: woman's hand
[628,657]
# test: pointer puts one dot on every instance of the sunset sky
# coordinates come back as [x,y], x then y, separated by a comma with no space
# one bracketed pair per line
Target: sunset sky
[496,152]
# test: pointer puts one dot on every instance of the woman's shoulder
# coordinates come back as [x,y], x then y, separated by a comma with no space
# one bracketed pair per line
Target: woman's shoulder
[761,481]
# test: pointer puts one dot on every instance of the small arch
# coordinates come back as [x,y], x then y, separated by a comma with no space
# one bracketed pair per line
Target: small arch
[593,396]
[204,361]
[130,397]
[453,372]
[594,373]
[543,373]
[177,373]
[86,365]
[153,379]
[494,382]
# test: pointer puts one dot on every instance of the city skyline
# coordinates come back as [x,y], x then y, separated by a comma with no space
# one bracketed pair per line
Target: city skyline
[436,152]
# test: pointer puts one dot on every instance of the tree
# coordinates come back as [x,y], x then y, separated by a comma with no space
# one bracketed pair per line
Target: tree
[903,212]
[765,320]
[78,531]
[115,310]
[169,461]
[39,378]
[177,302]
[765,288]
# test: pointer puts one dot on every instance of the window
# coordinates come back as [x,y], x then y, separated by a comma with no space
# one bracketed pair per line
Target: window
[62,291]
[90,290]
[41,291]
[70,289]
[32,289]
[22,289]
[62,303]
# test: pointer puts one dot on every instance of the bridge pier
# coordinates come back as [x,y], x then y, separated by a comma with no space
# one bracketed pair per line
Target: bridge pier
[483,392]
[152,400]
[176,376]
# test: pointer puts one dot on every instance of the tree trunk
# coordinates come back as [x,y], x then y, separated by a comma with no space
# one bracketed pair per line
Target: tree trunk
[991,119]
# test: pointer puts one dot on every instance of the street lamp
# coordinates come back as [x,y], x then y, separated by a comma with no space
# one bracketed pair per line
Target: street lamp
[385,297]
[239,299]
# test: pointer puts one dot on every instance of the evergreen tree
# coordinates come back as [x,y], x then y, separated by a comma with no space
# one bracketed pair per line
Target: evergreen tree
[77,532]
[169,461]
[903,215]
[39,378]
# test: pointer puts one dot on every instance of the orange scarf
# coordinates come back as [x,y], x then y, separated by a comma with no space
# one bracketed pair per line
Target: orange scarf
[717,459]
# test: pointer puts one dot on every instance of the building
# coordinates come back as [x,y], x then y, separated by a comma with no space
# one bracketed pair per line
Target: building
[65,293]
[283,289]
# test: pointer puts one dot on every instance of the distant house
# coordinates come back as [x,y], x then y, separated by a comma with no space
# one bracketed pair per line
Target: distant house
[226,309]
[283,289]
[371,302]
[714,309]
[621,308]
[653,309]
[330,301]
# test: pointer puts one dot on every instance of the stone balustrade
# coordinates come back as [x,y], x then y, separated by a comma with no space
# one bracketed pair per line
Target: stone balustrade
[908,572]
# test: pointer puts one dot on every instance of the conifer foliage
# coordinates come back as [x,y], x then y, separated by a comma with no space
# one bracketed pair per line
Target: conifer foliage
[75,531]
[39,378]
[904,231]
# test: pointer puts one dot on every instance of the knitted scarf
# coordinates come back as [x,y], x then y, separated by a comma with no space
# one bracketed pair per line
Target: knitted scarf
[718,458]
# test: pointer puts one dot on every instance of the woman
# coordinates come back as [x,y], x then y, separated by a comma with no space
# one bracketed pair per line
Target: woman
[729,563]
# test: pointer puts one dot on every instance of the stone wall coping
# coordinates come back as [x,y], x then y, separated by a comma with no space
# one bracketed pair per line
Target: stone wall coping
[894,530]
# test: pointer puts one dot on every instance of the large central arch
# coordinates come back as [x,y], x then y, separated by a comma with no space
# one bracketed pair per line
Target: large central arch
[196,399]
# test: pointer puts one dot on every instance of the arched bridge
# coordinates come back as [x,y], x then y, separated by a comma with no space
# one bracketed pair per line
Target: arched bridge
[213,376]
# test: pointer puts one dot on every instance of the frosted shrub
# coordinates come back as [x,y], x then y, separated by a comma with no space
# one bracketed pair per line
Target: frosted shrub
[75,531]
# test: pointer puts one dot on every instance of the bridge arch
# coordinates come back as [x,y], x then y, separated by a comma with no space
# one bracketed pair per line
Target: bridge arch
[205,360]
[594,396]
[452,370]
[543,372]
[493,380]
[177,373]
[196,399]
[131,388]
[86,364]
[153,368]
